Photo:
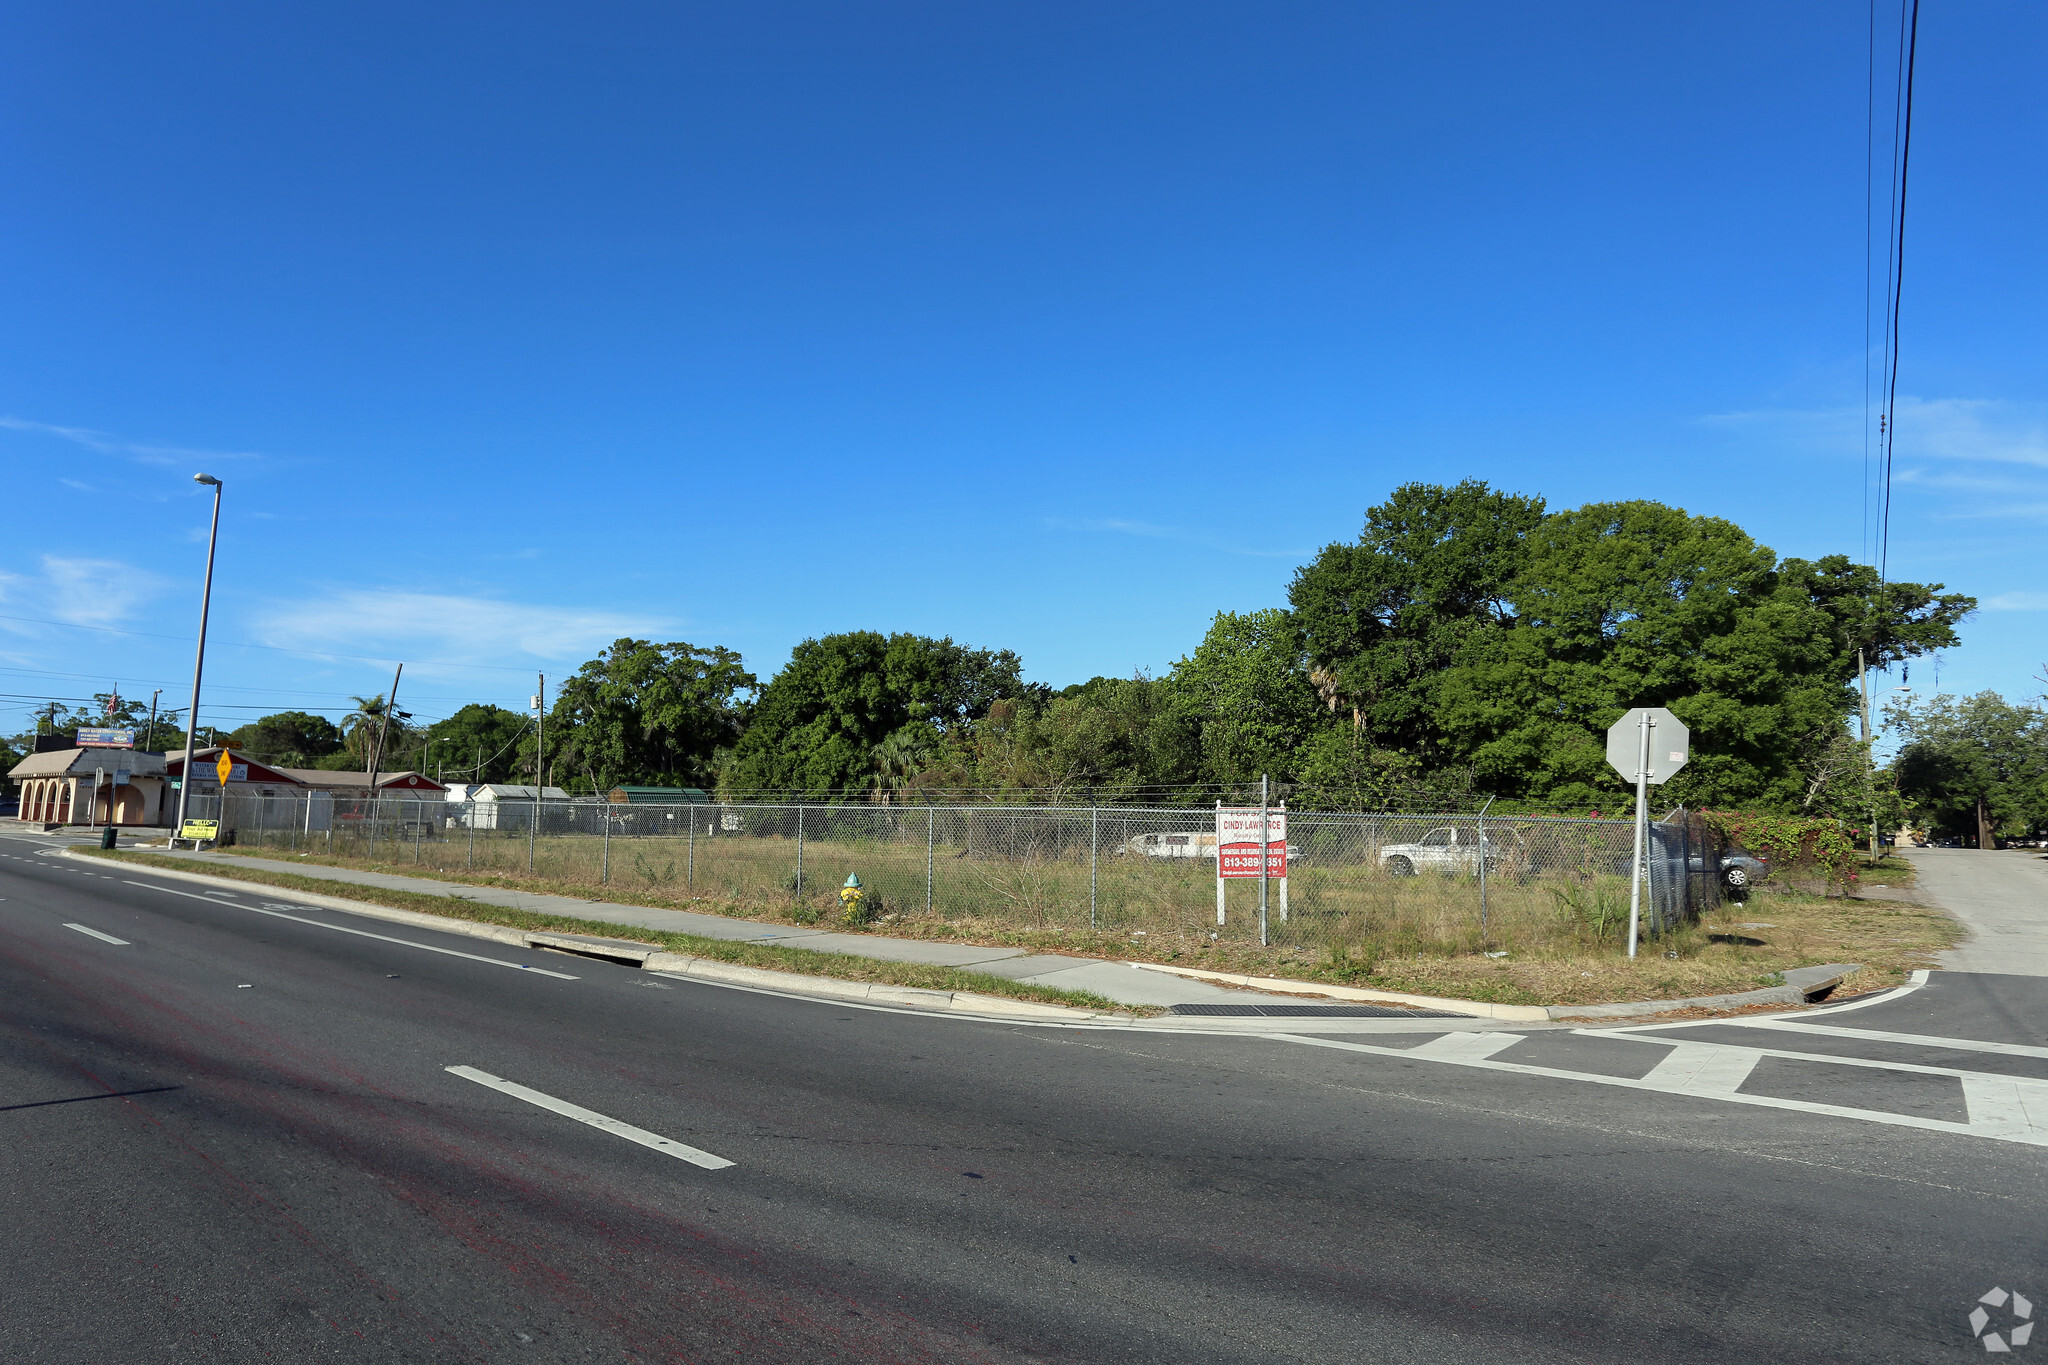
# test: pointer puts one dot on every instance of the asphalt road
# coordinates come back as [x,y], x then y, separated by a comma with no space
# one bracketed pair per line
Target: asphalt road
[233,1136]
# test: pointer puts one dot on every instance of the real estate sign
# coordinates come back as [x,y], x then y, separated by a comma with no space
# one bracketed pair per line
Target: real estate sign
[1237,841]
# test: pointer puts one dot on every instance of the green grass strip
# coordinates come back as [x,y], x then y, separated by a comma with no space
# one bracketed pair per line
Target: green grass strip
[808,962]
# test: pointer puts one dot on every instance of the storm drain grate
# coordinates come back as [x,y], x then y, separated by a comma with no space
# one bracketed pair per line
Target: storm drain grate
[1301,1011]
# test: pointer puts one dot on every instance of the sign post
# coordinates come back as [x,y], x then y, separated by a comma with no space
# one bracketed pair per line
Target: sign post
[1646,746]
[1251,841]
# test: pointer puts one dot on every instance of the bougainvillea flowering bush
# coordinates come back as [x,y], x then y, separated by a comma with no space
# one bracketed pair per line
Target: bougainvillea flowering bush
[1789,842]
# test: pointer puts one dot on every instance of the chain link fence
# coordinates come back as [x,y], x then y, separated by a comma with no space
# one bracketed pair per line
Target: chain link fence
[1445,881]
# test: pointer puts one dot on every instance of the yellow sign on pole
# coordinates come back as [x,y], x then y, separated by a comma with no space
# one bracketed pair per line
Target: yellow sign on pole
[225,766]
[200,829]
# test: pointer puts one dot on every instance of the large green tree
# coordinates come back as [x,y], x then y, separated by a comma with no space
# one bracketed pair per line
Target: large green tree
[1114,738]
[1381,620]
[1246,691]
[817,724]
[1639,604]
[1974,765]
[479,743]
[648,714]
[1474,635]
[291,739]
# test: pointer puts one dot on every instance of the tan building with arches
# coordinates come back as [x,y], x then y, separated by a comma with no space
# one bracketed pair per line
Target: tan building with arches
[80,787]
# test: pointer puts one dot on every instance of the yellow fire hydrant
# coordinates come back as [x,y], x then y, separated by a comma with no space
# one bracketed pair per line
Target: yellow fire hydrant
[850,897]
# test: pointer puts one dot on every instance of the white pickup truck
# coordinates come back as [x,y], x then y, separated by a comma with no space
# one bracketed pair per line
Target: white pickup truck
[1450,849]
[1186,846]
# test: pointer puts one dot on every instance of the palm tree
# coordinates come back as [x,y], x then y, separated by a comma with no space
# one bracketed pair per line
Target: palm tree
[898,761]
[360,727]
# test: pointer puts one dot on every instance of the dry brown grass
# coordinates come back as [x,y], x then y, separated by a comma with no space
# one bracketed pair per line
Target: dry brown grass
[1563,936]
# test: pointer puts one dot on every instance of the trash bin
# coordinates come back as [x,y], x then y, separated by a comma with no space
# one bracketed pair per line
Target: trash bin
[107,836]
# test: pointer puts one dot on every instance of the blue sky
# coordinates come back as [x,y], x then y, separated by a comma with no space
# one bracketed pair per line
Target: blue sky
[516,328]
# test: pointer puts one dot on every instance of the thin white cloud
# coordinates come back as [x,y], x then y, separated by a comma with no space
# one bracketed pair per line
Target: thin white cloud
[80,592]
[445,627]
[2017,601]
[107,444]
[1976,459]
[1964,429]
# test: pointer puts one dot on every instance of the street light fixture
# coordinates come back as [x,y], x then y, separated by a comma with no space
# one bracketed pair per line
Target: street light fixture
[199,656]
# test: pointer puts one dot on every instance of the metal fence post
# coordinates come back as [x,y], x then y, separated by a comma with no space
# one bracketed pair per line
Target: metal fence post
[1094,846]
[799,850]
[931,831]
[373,824]
[690,868]
[1219,864]
[416,833]
[1483,850]
[532,829]
[469,818]
[605,875]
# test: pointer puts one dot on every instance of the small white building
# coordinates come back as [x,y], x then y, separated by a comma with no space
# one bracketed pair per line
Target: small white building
[499,805]
[91,787]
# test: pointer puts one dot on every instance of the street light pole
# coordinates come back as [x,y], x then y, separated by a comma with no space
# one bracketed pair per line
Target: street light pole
[199,656]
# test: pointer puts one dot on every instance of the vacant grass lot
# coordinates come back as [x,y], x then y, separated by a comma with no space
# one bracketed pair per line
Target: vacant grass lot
[1553,939]
[839,966]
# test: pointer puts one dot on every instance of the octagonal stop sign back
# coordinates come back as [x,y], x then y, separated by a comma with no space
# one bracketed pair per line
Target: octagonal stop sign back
[1670,743]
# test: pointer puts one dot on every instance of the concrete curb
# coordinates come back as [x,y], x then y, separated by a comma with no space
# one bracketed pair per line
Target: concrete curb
[993,1007]
[1478,1009]
[1802,984]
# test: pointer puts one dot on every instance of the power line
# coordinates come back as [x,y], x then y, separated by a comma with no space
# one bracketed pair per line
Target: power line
[1866,540]
[1895,285]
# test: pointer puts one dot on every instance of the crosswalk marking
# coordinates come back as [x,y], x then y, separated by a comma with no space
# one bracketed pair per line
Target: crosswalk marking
[1465,1047]
[1704,1069]
[1999,1107]
[2006,1104]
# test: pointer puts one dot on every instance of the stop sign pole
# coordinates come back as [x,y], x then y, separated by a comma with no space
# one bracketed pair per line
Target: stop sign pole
[1629,752]
[1635,882]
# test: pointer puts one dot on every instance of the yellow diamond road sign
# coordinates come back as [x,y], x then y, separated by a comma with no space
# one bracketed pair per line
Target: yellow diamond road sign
[225,766]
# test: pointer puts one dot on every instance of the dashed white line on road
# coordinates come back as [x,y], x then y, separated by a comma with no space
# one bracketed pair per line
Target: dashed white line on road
[104,938]
[667,1146]
[362,933]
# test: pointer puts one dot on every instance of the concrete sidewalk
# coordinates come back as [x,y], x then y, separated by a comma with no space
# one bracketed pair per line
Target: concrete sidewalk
[1117,981]
[2001,895]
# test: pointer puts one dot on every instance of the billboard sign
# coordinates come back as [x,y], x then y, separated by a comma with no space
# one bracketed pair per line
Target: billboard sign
[100,737]
[1237,842]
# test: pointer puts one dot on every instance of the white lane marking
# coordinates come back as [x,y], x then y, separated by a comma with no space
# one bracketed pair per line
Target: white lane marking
[1465,1047]
[1703,1069]
[363,933]
[1999,1128]
[668,1146]
[1880,1036]
[104,938]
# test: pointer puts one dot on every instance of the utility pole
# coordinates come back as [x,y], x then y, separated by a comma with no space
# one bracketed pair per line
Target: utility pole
[1869,748]
[199,660]
[377,750]
[540,711]
[150,734]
